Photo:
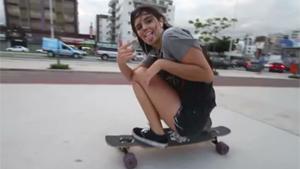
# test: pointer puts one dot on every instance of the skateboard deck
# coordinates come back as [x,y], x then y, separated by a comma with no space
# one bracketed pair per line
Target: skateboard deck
[126,141]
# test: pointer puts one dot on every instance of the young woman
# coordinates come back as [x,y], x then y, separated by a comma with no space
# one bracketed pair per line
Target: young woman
[173,83]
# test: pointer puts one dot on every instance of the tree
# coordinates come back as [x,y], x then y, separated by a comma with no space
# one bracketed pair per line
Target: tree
[220,45]
[209,28]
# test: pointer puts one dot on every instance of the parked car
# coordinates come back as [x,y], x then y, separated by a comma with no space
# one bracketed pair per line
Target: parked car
[18,49]
[56,47]
[239,63]
[277,67]
[84,53]
[220,62]
[139,56]
[107,53]
[40,51]
[254,65]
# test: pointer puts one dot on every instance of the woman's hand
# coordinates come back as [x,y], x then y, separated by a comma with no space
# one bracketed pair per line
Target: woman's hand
[125,53]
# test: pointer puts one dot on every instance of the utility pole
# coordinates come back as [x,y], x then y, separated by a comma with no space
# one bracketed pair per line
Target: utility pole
[52,27]
[51,18]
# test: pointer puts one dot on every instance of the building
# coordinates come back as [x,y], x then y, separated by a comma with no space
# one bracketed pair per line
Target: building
[120,10]
[295,35]
[33,18]
[102,28]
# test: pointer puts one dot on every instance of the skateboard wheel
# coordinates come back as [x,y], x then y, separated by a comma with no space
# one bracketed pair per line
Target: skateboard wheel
[222,148]
[130,161]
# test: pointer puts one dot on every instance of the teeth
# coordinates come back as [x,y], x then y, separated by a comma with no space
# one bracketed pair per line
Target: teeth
[148,33]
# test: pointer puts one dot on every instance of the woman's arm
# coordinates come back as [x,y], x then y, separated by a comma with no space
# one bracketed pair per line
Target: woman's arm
[128,71]
[193,67]
[125,53]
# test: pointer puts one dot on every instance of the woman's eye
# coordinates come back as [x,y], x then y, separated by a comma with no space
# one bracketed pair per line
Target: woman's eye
[138,27]
[148,21]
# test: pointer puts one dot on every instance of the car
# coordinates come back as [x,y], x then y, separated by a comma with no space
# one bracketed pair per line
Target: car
[277,67]
[139,56]
[40,51]
[82,52]
[107,53]
[254,66]
[220,62]
[56,47]
[18,49]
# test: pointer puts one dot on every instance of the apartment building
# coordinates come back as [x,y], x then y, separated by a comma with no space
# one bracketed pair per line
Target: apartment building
[102,28]
[33,17]
[119,22]
[295,35]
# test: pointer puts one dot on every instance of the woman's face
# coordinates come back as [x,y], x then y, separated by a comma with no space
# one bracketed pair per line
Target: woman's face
[149,29]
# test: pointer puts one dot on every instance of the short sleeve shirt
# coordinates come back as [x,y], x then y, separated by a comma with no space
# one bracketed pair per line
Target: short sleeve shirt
[175,44]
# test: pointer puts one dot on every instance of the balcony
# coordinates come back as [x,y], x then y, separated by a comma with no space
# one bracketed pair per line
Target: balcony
[160,4]
[13,11]
[13,2]
[35,14]
[112,3]
[69,19]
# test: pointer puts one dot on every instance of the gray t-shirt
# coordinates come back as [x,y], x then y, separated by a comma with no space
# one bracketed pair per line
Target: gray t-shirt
[175,44]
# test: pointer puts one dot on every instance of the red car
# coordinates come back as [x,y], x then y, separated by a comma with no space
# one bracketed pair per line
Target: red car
[277,67]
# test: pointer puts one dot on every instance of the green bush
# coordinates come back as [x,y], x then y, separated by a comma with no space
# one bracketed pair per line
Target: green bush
[59,66]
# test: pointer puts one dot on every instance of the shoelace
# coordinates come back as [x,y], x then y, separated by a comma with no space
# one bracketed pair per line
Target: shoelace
[145,130]
[176,137]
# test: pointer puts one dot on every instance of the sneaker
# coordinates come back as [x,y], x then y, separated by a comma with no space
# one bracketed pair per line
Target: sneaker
[174,136]
[147,136]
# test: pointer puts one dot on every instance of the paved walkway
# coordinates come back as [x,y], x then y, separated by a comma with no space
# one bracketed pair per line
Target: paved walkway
[63,126]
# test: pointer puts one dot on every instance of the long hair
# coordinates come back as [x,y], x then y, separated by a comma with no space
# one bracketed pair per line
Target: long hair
[158,15]
[149,10]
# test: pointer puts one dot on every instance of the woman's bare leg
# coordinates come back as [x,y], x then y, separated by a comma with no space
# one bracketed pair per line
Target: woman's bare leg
[148,108]
[158,100]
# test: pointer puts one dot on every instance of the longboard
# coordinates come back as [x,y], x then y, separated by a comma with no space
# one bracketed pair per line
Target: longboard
[124,142]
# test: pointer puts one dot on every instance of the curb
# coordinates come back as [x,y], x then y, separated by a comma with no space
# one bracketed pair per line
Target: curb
[55,70]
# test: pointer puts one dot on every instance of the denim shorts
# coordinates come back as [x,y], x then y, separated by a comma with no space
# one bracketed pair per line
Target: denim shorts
[190,121]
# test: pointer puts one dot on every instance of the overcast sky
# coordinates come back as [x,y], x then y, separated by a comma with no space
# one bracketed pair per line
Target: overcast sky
[257,17]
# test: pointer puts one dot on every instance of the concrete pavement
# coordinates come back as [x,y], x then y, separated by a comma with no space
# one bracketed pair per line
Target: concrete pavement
[63,126]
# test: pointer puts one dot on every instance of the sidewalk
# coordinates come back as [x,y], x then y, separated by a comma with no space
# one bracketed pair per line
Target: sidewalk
[64,126]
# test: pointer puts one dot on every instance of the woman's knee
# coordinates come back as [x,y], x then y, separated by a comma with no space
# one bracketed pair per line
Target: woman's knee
[139,74]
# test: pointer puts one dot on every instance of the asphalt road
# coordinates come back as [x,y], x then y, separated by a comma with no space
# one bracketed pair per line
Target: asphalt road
[78,77]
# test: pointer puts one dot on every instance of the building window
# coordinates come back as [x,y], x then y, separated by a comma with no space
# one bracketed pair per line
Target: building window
[129,3]
[129,32]
[161,2]
[129,23]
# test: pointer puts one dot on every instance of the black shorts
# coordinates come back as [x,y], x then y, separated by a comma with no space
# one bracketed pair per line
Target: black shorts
[190,121]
